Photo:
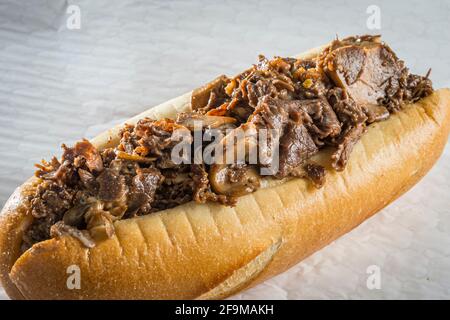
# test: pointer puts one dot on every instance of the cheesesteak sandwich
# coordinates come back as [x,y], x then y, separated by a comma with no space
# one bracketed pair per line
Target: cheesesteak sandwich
[347,129]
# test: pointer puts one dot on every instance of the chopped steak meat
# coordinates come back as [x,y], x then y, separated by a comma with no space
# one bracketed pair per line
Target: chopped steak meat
[300,126]
[146,181]
[410,88]
[371,74]
[149,138]
[270,114]
[50,199]
[319,117]
[346,109]
[143,189]
[111,185]
[175,189]
[345,146]
[315,173]
[302,106]
[90,190]
[209,96]
[296,146]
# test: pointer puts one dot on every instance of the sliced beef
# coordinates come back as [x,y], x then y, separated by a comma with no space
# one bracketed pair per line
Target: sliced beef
[346,109]
[345,146]
[410,88]
[83,153]
[417,87]
[301,125]
[88,180]
[61,173]
[317,114]
[372,75]
[75,216]
[280,78]
[153,140]
[149,137]
[371,81]
[147,181]
[362,66]
[39,230]
[315,173]
[143,189]
[108,155]
[259,89]
[270,114]
[51,199]
[319,117]
[112,185]
[296,146]
[210,95]
[310,82]
[176,188]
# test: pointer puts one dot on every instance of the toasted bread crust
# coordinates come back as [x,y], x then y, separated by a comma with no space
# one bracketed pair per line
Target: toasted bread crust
[211,251]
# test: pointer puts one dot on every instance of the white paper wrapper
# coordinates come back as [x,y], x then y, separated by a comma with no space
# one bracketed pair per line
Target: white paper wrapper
[58,85]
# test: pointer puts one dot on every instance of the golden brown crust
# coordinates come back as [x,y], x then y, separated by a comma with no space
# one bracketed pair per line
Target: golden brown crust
[211,251]
[13,220]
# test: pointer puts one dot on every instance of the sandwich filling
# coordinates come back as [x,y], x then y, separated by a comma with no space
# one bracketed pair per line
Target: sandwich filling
[302,105]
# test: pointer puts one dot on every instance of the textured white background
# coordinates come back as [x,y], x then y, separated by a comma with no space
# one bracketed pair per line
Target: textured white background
[58,85]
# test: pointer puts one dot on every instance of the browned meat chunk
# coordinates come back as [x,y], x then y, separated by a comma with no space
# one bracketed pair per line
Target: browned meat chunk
[210,95]
[87,179]
[319,118]
[111,185]
[148,137]
[301,124]
[50,198]
[258,90]
[147,181]
[84,152]
[296,145]
[372,75]
[143,189]
[364,71]
[345,146]
[270,114]
[347,110]
[315,173]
